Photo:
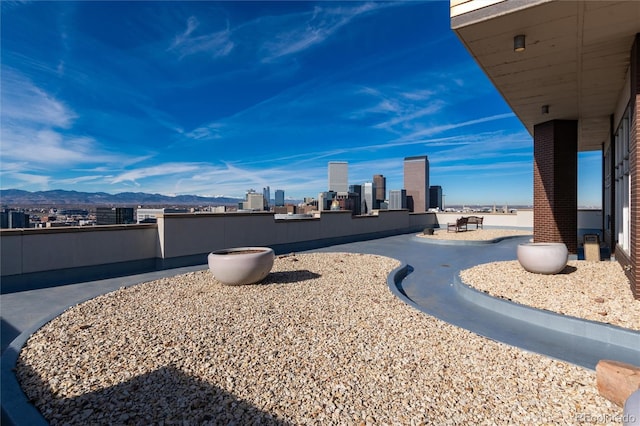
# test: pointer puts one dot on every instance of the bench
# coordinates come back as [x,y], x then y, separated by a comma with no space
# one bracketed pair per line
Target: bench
[475,220]
[460,225]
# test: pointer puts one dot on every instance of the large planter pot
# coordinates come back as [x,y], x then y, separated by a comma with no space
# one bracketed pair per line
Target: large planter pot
[241,265]
[543,258]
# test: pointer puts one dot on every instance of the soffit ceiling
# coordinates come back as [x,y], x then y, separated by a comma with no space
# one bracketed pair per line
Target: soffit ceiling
[576,58]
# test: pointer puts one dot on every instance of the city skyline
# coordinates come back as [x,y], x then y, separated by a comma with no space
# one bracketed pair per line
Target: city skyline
[212,98]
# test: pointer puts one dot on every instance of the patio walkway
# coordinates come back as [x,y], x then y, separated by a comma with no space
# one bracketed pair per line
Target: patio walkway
[425,282]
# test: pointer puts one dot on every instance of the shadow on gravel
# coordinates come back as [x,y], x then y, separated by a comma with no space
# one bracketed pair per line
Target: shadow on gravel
[166,395]
[289,277]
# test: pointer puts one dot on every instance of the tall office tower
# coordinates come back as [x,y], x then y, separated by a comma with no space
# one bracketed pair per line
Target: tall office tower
[416,183]
[254,201]
[355,192]
[381,189]
[266,193]
[338,176]
[369,197]
[279,197]
[397,199]
[13,219]
[435,197]
[114,215]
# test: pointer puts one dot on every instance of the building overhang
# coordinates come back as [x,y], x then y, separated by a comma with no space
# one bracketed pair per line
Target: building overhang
[575,62]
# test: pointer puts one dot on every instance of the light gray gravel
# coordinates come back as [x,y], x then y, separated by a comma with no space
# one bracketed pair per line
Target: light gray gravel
[598,291]
[321,341]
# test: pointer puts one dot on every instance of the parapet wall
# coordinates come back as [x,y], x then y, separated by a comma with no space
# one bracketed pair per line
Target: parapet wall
[76,253]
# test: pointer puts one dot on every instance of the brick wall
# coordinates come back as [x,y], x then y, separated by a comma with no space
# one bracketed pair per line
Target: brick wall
[555,188]
[633,269]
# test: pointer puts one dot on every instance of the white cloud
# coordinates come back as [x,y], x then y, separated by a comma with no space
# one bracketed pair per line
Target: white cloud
[446,127]
[309,29]
[47,147]
[208,132]
[165,169]
[29,179]
[24,102]
[216,44]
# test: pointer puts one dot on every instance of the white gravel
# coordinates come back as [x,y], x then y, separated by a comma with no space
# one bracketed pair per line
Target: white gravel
[321,341]
[598,291]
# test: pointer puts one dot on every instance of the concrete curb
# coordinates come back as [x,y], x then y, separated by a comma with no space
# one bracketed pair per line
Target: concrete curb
[464,242]
[16,408]
[605,333]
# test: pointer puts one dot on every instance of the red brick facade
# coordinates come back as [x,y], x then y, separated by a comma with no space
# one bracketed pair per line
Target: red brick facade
[633,269]
[555,188]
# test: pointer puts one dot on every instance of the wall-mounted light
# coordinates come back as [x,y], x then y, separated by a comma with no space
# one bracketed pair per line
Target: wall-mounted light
[545,109]
[518,43]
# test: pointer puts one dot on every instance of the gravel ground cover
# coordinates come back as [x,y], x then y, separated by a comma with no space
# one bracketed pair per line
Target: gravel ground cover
[321,341]
[598,291]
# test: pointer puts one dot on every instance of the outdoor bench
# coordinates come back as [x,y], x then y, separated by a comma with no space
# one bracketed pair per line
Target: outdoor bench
[460,225]
[475,220]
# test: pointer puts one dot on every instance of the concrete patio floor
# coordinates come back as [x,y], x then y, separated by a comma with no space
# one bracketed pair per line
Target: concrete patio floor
[425,281]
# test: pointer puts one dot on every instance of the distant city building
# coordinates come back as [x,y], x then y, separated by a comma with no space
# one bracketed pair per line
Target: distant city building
[279,197]
[151,215]
[416,183]
[10,219]
[369,197]
[435,197]
[325,199]
[397,199]
[114,215]
[356,193]
[254,201]
[266,193]
[74,212]
[380,183]
[348,201]
[288,209]
[338,176]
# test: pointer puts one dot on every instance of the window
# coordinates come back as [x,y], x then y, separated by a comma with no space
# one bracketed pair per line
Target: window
[622,184]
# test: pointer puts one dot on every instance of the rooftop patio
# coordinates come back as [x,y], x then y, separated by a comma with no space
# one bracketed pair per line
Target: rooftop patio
[277,336]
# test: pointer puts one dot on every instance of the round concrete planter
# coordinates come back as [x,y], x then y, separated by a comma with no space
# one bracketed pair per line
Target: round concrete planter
[543,258]
[241,265]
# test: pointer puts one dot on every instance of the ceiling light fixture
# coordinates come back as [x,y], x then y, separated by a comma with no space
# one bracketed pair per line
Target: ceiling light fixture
[518,43]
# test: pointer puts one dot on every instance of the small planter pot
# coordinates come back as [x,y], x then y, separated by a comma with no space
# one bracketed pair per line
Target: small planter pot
[241,265]
[543,258]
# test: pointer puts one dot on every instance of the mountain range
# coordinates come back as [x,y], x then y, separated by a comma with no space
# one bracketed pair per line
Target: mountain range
[17,197]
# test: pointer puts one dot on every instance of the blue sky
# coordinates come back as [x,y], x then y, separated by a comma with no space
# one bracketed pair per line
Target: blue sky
[214,98]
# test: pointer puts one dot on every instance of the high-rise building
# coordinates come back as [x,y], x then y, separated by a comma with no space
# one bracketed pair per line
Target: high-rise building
[266,194]
[279,197]
[355,191]
[380,183]
[416,183]
[13,219]
[114,215]
[397,199]
[254,201]
[369,197]
[338,176]
[435,197]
